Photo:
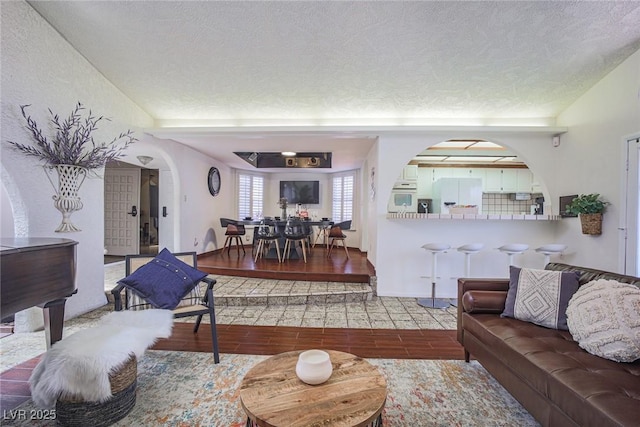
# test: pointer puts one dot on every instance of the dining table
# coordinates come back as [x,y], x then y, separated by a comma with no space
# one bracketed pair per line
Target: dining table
[280,224]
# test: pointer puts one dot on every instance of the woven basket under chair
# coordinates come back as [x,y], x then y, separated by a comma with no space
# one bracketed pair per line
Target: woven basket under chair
[71,411]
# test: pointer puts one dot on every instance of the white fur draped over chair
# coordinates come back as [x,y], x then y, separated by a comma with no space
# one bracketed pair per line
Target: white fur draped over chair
[80,364]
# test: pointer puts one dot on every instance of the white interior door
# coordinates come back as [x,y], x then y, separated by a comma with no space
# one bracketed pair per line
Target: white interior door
[631,227]
[121,211]
[167,214]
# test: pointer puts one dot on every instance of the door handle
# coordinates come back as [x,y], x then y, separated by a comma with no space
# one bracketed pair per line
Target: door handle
[164,211]
[134,211]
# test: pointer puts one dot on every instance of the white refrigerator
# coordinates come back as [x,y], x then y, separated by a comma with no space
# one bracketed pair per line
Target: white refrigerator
[449,192]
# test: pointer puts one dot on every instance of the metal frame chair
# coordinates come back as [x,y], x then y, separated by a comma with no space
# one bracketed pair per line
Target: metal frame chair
[336,234]
[323,230]
[233,231]
[194,304]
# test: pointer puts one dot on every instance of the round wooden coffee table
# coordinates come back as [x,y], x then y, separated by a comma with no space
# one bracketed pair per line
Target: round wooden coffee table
[272,395]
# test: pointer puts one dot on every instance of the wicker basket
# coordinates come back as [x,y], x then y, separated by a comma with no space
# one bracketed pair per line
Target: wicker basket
[591,223]
[72,411]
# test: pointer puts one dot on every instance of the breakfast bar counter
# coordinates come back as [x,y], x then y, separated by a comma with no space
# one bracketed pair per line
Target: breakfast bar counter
[474,217]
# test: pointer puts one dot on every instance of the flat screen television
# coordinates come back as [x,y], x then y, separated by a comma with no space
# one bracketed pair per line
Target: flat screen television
[303,192]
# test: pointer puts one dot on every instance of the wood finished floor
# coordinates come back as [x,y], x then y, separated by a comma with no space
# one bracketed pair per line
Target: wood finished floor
[319,267]
[268,340]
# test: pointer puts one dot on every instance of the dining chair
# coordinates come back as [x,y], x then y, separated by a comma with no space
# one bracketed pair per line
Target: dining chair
[323,230]
[293,233]
[234,231]
[336,235]
[265,237]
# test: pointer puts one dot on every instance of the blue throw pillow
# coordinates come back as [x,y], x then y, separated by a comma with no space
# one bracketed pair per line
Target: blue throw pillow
[163,281]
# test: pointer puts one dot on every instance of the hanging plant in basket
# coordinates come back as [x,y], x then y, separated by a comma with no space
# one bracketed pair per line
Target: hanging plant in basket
[72,152]
[590,209]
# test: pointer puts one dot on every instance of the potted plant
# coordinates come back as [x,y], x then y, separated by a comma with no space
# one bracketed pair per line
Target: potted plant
[590,208]
[72,153]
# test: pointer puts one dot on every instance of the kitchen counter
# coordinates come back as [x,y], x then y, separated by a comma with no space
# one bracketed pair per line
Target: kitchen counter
[474,217]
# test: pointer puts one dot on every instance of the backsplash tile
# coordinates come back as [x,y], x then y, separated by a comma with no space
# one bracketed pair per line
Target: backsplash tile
[500,203]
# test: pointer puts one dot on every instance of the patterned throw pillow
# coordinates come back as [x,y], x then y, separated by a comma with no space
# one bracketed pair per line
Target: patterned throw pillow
[540,296]
[604,318]
[164,280]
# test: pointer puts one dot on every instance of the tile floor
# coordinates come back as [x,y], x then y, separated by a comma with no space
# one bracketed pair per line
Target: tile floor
[251,301]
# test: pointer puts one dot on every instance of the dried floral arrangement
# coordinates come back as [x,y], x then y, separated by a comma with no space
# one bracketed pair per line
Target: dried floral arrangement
[73,143]
[283,203]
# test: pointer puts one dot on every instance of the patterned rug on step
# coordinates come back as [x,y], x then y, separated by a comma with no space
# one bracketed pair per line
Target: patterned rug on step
[188,389]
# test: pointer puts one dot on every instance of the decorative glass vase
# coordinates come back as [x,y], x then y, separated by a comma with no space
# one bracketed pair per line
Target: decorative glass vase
[66,199]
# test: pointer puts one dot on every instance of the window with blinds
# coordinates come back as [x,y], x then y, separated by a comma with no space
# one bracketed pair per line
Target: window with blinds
[250,196]
[343,197]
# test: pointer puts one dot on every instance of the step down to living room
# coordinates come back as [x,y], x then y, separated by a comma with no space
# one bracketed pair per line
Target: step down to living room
[238,291]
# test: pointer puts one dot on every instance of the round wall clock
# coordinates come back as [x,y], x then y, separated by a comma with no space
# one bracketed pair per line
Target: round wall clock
[213,180]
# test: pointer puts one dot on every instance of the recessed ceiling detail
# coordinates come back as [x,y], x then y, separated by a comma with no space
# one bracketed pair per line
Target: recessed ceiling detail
[468,151]
[278,160]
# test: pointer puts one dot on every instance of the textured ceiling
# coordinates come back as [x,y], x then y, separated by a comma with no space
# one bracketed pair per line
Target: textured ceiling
[193,63]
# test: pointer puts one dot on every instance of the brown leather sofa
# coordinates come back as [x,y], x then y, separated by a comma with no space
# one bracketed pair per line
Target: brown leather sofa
[559,383]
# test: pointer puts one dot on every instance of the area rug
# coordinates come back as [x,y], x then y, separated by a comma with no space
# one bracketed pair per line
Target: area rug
[188,389]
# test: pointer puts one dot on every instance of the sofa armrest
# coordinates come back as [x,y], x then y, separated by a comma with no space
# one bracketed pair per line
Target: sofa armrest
[491,302]
[465,285]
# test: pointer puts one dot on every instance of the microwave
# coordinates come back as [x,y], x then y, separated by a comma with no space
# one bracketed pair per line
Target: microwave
[403,200]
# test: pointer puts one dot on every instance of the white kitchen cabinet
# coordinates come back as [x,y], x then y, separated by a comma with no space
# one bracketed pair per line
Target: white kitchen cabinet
[460,172]
[509,180]
[439,173]
[524,181]
[410,173]
[493,180]
[477,173]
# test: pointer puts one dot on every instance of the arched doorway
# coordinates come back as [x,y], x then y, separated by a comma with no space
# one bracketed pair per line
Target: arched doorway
[152,194]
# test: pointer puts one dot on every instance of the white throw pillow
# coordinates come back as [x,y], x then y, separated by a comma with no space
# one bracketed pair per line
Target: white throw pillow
[604,318]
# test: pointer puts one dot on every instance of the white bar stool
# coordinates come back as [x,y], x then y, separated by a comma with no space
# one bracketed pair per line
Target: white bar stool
[468,250]
[433,302]
[513,249]
[552,249]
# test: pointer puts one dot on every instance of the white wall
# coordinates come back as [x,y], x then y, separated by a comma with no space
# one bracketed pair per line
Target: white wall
[590,158]
[401,264]
[193,214]
[42,69]
[272,191]
[272,183]
[28,42]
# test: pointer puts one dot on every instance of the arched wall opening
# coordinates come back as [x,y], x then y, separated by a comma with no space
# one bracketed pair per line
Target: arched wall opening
[401,263]
[505,182]
[169,183]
